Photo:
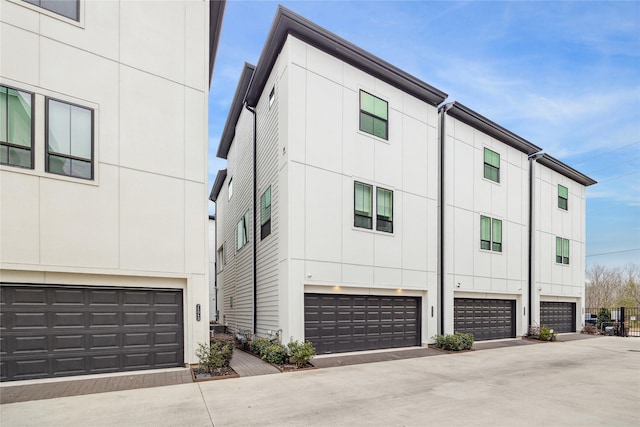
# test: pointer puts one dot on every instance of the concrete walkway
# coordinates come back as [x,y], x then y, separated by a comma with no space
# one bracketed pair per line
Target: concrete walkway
[525,385]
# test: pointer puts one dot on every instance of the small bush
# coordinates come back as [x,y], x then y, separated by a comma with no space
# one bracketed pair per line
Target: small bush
[275,353]
[590,329]
[547,334]
[259,346]
[456,342]
[301,353]
[604,318]
[216,355]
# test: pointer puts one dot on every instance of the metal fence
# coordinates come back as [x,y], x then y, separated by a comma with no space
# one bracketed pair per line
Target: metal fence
[621,321]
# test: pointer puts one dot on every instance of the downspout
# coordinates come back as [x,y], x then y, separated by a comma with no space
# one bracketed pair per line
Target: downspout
[532,159]
[443,110]
[255,234]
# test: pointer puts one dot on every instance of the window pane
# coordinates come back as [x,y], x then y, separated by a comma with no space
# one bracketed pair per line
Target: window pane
[380,128]
[59,115]
[19,120]
[362,199]
[366,102]
[497,231]
[366,123]
[59,165]
[68,8]
[246,227]
[80,132]
[563,191]
[492,158]
[265,206]
[384,204]
[19,157]
[81,169]
[4,154]
[565,251]
[380,108]
[558,250]
[3,114]
[239,234]
[485,228]
[562,203]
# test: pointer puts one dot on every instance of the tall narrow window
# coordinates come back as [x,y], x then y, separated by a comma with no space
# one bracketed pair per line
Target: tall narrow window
[265,213]
[362,205]
[230,188]
[563,197]
[243,231]
[384,210]
[562,250]
[16,133]
[69,139]
[374,113]
[490,234]
[272,96]
[67,8]
[491,165]
[220,261]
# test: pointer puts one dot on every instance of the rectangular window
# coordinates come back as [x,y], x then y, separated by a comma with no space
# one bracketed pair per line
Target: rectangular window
[362,205]
[374,114]
[265,213]
[272,96]
[563,197]
[491,165]
[69,139]
[490,234]
[16,129]
[220,261]
[562,250]
[243,231]
[230,188]
[384,210]
[67,8]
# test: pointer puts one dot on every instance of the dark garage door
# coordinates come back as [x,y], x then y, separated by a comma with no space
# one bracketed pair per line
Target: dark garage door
[55,331]
[559,316]
[486,319]
[340,323]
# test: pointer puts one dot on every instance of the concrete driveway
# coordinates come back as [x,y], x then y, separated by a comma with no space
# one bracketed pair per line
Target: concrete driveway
[584,383]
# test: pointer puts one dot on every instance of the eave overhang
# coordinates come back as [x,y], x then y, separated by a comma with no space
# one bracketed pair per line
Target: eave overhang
[216,13]
[217,185]
[565,170]
[483,124]
[287,23]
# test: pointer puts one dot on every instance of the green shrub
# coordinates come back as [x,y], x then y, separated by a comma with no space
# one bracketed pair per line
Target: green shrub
[547,334]
[604,318]
[259,346]
[301,353]
[275,353]
[216,355]
[456,342]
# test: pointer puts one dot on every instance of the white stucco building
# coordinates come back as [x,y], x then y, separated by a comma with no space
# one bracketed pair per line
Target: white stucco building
[103,176]
[356,213]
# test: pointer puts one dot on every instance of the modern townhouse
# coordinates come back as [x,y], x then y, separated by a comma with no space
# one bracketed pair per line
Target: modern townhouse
[358,215]
[103,175]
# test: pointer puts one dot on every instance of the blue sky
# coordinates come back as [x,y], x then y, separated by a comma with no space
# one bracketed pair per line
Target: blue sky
[563,75]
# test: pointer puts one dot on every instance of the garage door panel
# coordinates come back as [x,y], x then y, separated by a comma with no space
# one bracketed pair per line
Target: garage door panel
[559,316]
[373,322]
[88,330]
[485,318]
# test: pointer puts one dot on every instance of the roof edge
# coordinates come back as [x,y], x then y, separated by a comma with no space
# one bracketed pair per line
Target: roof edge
[288,22]
[229,130]
[564,169]
[217,185]
[216,13]
[478,121]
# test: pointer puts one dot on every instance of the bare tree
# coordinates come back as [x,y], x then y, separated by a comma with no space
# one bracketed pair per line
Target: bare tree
[613,286]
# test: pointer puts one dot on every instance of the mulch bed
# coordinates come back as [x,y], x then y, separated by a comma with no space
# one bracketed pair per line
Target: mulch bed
[449,351]
[218,374]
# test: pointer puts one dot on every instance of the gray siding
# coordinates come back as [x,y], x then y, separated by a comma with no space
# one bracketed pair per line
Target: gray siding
[267,251]
[236,278]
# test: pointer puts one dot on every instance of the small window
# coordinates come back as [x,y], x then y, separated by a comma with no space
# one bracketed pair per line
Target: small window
[265,213]
[243,231]
[221,259]
[563,197]
[491,165]
[230,188]
[374,114]
[69,139]
[67,8]
[490,234]
[384,210]
[362,205]
[16,129]
[562,250]
[272,96]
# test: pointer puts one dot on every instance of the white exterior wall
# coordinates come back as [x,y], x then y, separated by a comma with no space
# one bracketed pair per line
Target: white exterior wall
[325,153]
[470,272]
[212,270]
[143,220]
[553,281]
